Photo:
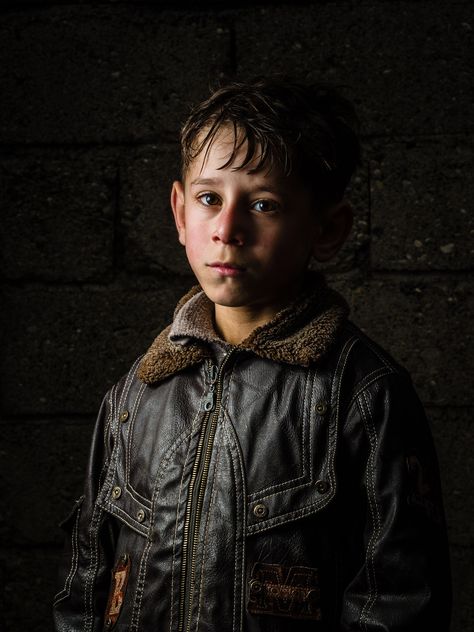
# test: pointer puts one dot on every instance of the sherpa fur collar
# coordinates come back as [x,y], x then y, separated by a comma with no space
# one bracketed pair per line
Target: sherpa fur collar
[300,334]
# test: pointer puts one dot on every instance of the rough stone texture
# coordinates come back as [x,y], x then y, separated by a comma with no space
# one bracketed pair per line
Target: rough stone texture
[57,217]
[150,238]
[425,323]
[64,347]
[93,74]
[39,456]
[204,5]
[42,468]
[407,65]
[422,203]
[453,433]
[28,585]
[92,97]
[462,561]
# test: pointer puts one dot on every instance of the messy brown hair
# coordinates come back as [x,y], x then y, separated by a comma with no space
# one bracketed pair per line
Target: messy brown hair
[310,129]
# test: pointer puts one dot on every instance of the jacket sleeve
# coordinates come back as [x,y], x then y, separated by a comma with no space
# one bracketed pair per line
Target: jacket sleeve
[84,572]
[400,576]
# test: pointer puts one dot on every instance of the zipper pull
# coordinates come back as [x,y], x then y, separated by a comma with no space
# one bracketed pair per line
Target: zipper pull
[210,399]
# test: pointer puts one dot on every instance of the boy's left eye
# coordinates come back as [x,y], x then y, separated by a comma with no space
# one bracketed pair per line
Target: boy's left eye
[265,206]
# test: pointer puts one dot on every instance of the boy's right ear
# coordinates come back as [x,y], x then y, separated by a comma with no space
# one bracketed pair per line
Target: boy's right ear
[177,204]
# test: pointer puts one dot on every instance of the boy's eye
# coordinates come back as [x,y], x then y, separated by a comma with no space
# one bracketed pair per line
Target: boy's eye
[265,206]
[209,199]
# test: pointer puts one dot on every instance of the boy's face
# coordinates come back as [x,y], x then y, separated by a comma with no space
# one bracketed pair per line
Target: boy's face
[248,236]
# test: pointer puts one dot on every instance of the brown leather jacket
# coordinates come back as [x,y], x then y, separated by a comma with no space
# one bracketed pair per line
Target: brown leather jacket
[287,483]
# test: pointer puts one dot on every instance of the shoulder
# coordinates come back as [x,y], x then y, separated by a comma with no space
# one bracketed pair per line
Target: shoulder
[365,358]
[364,371]
[377,401]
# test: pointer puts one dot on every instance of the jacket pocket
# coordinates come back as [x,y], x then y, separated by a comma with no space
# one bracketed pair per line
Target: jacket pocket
[296,499]
[129,519]
[70,560]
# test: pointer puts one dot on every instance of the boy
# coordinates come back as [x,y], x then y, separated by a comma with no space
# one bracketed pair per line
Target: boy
[265,466]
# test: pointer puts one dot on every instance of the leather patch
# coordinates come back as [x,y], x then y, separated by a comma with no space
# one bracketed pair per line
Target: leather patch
[117,591]
[284,591]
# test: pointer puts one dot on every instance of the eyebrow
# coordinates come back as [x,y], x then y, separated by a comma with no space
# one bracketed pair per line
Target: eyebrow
[213,181]
[205,181]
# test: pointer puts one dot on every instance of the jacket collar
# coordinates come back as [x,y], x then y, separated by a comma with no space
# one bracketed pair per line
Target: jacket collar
[300,334]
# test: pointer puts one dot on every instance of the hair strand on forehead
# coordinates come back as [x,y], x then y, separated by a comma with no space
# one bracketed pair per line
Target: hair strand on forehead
[310,130]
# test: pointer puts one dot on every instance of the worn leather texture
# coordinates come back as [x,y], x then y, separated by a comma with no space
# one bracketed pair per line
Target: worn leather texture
[307,498]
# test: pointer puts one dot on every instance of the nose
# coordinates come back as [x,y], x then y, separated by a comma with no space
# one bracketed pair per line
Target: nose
[229,228]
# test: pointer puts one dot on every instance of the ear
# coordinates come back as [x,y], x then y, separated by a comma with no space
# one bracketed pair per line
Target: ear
[177,204]
[334,228]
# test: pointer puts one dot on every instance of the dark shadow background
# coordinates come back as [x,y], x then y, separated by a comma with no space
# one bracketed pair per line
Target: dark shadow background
[91,98]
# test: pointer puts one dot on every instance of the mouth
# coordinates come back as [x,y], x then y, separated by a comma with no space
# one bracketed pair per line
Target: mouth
[226,268]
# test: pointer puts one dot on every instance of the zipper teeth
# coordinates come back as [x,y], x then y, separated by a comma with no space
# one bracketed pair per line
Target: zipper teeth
[202,489]
[187,519]
[202,486]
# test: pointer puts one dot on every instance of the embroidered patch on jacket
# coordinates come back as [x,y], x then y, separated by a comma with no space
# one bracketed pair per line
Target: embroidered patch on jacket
[284,591]
[117,591]
[422,490]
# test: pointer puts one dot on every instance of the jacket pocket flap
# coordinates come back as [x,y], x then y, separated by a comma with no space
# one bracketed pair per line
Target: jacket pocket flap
[291,504]
[130,510]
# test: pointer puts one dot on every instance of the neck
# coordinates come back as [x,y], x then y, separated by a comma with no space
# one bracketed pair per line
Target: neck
[235,324]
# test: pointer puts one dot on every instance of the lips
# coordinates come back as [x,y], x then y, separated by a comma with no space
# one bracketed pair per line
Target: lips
[226,264]
[226,268]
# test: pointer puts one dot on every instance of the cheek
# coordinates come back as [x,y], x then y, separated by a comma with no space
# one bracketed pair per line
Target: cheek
[292,250]
[195,236]
[282,244]
[197,248]
[192,251]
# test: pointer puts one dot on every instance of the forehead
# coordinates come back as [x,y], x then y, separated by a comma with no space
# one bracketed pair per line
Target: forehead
[229,150]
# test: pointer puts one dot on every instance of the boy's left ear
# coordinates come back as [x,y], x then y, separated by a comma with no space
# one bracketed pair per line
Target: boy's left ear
[333,230]
[177,204]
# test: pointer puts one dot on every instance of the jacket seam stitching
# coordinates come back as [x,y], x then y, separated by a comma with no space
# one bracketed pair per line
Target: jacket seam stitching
[136,495]
[234,480]
[230,433]
[256,528]
[94,533]
[92,571]
[173,560]
[282,491]
[136,614]
[107,428]
[114,509]
[286,485]
[370,552]
[206,534]
[127,385]
[282,518]
[108,422]
[382,358]
[310,416]
[363,339]
[74,562]
[364,385]
[138,597]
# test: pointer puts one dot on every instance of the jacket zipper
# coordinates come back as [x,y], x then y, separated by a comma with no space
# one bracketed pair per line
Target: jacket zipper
[197,488]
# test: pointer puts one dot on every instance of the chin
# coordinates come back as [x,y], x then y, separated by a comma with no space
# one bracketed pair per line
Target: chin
[225,297]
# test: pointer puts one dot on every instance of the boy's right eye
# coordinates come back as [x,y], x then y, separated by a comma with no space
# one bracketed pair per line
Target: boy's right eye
[209,199]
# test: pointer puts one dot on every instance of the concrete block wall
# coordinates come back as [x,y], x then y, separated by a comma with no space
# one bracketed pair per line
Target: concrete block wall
[91,98]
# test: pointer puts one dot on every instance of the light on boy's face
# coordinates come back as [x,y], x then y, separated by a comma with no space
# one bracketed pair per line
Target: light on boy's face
[248,236]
